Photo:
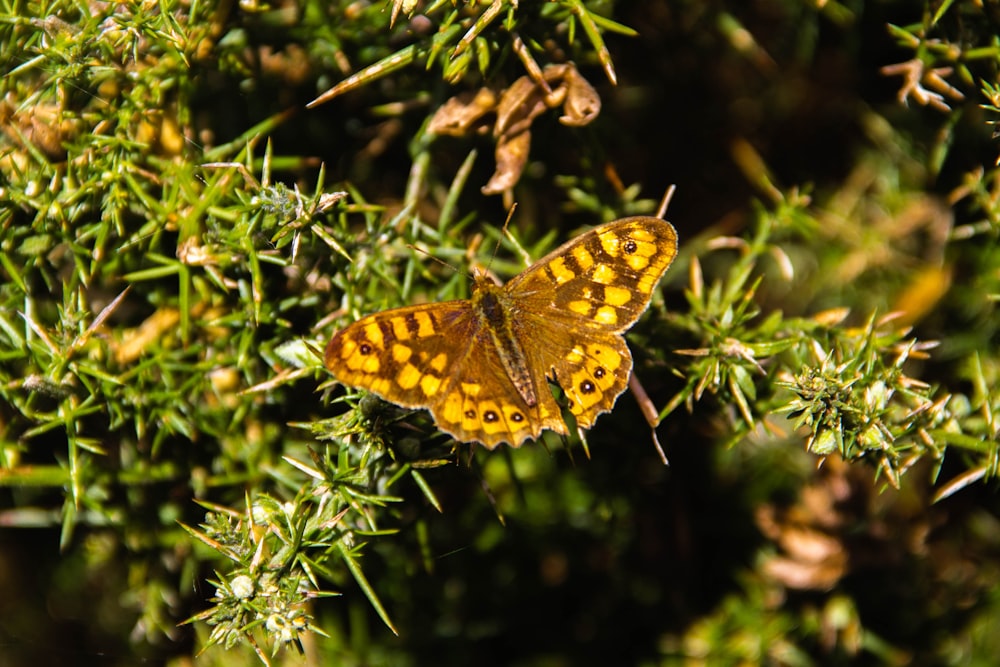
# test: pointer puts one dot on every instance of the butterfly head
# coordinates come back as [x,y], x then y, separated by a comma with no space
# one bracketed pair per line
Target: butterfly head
[483,279]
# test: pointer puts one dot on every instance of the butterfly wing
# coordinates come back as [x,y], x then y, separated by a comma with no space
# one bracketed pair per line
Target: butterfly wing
[580,298]
[601,280]
[405,355]
[592,370]
[440,357]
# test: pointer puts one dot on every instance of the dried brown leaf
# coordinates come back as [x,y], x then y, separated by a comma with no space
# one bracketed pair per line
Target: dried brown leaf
[511,155]
[519,105]
[516,109]
[459,115]
[582,101]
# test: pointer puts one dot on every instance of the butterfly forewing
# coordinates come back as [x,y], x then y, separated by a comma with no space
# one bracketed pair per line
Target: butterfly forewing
[405,355]
[602,279]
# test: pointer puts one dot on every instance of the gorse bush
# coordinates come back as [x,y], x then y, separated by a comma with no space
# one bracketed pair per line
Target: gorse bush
[195,197]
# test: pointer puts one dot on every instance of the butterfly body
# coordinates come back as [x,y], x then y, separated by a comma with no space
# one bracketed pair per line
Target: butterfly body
[496,312]
[482,365]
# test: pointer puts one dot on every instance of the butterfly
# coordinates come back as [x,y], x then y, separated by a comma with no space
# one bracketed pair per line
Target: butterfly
[482,365]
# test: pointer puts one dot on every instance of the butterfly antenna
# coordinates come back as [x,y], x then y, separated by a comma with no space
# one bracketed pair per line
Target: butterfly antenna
[510,214]
[432,257]
[665,202]
[503,233]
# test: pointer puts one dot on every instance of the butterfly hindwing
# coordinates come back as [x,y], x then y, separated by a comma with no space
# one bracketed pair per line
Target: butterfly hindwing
[592,375]
[482,404]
